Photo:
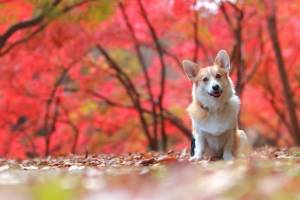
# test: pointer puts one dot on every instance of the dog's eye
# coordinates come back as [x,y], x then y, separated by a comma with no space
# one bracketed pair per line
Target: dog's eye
[205,79]
[218,76]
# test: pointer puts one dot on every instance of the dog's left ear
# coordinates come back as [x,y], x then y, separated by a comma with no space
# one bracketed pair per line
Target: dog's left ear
[223,60]
[190,68]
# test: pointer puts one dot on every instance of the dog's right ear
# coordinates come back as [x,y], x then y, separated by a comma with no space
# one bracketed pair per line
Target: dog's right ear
[223,60]
[190,68]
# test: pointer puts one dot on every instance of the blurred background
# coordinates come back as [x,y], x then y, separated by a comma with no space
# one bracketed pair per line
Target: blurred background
[105,76]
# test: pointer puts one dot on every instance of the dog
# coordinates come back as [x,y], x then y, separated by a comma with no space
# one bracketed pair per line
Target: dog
[214,111]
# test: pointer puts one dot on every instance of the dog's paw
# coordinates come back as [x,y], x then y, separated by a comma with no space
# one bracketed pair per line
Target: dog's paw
[195,158]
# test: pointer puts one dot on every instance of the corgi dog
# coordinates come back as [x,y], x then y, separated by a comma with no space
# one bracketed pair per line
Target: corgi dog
[214,111]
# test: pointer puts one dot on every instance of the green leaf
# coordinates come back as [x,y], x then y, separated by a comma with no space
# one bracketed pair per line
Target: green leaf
[52,190]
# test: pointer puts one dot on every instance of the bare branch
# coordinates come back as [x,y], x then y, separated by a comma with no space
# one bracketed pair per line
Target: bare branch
[173,119]
[272,29]
[237,56]
[35,21]
[49,127]
[166,52]
[196,40]
[277,110]
[130,90]
[23,25]
[23,40]
[226,16]
[52,127]
[144,68]
[163,70]
[74,128]
[260,56]
[109,101]
[197,43]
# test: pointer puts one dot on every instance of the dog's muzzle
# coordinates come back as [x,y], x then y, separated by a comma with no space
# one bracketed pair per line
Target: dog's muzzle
[216,93]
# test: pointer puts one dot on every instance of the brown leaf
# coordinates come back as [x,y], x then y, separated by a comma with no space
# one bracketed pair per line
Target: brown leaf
[149,161]
[167,159]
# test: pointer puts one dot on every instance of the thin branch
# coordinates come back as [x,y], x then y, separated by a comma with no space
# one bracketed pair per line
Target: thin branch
[258,61]
[32,23]
[47,126]
[19,26]
[272,30]
[173,119]
[237,52]
[166,52]
[23,25]
[75,5]
[52,126]
[196,40]
[226,16]
[130,90]
[74,128]
[109,101]
[197,43]
[177,122]
[274,105]
[163,70]
[144,68]
[23,40]
[54,90]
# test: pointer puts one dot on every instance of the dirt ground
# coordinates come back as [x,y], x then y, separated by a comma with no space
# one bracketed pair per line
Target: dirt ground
[268,173]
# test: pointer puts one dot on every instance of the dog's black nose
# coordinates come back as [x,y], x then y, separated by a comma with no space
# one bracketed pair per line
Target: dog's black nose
[216,87]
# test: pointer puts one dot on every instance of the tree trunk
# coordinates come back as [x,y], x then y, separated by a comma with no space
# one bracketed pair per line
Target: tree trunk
[272,29]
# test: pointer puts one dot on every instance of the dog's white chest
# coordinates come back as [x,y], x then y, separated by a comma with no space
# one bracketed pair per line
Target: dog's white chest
[216,124]
[219,122]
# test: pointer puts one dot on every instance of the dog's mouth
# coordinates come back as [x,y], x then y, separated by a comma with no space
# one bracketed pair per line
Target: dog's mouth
[216,94]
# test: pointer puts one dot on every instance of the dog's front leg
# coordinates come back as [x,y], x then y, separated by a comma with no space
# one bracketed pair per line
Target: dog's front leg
[227,153]
[199,146]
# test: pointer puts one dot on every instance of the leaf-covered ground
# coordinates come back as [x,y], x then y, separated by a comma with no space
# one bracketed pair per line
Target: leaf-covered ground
[268,173]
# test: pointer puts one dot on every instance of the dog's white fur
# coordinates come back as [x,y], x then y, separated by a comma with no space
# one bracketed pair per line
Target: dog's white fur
[214,118]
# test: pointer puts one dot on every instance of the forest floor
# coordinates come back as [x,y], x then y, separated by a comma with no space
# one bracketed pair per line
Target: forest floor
[269,173]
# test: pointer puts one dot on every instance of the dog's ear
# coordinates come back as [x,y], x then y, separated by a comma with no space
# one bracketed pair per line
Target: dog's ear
[190,68]
[223,60]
